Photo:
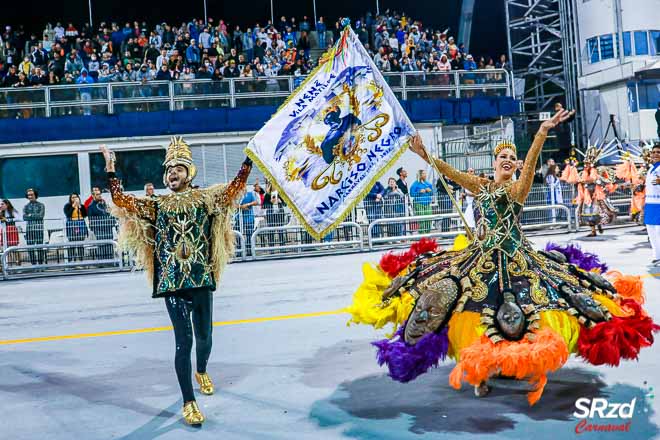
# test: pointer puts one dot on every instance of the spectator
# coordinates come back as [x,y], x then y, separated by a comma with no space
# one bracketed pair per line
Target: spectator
[321,30]
[205,38]
[193,54]
[23,81]
[231,71]
[374,206]
[503,63]
[74,64]
[394,201]
[11,78]
[275,215]
[421,192]
[26,66]
[8,218]
[164,73]
[101,224]
[554,190]
[519,167]
[401,182]
[248,44]
[246,208]
[38,78]
[76,228]
[150,191]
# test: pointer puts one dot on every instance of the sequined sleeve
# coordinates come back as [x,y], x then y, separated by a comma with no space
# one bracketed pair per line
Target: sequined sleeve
[524,183]
[470,182]
[145,208]
[231,192]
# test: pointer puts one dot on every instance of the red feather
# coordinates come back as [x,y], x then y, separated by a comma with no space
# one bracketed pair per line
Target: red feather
[619,338]
[392,264]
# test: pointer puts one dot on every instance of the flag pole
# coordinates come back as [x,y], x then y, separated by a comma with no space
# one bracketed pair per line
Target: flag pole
[468,231]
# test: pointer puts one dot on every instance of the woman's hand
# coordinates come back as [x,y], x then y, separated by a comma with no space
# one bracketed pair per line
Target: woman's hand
[557,119]
[109,157]
[417,147]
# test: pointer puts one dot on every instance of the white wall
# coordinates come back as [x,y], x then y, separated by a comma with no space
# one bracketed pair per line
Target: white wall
[598,17]
[647,125]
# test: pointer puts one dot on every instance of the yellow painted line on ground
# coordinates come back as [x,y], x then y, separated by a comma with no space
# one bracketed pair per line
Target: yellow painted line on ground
[162,329]
[215,324]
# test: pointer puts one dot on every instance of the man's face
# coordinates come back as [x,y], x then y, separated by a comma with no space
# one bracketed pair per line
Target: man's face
[655,155]
[404,174]
[519,164]
[150,190]
[177,178]
[30,195]
[96,193]
[551,162]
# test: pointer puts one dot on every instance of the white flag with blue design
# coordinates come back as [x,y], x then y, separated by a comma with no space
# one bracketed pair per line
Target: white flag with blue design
[333,138]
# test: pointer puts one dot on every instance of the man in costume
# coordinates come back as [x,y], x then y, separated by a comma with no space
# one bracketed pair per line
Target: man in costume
[593,184]
[183,241]
[652,205]
[496,305]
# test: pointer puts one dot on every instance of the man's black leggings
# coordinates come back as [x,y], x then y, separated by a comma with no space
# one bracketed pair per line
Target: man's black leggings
[180,306]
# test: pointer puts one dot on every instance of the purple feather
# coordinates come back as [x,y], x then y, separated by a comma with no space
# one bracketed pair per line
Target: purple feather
[405,361]
[575,255]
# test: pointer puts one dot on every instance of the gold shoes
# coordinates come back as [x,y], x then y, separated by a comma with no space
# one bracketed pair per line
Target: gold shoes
[205,383]
[192,414]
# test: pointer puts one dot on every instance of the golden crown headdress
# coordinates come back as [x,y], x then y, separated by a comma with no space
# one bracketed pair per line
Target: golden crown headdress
[504,145]
[178,153]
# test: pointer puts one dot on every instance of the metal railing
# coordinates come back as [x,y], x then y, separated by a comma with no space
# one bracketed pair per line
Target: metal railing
[439,227]
[61,257]
[121,97]
[263,240]
[56,247]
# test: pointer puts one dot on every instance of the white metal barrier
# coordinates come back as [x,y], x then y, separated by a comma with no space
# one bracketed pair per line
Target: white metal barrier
[406,223]
[69,255]
[262,235]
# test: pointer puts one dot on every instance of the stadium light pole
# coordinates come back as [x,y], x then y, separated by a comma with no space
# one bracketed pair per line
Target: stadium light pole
[206,18]
[272,17]
[377,8]
[314,2]
[91,24]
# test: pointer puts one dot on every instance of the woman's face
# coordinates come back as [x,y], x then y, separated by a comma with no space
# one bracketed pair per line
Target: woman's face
[422,175]
[391,183]
[3,206]
[505,164]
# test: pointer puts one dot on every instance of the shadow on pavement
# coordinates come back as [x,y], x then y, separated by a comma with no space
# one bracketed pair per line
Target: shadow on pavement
[430,405]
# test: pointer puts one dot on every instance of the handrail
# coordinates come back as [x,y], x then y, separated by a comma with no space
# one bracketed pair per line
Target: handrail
[453,215]
[235,89]
[253,239]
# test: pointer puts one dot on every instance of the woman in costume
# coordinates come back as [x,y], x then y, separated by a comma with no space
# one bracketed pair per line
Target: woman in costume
[496,305]
[632,170]
[593,184]
[183,241]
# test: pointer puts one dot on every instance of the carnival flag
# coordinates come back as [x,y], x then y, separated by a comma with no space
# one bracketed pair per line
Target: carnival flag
[333,137]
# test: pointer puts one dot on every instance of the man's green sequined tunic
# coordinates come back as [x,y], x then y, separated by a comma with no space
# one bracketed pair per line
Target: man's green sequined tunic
[182,224]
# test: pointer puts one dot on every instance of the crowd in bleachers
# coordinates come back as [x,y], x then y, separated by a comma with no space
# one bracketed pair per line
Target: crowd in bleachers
[114,52]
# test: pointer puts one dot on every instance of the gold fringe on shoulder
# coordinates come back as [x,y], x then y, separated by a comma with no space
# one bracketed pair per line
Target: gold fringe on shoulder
[222,234]
[136,236]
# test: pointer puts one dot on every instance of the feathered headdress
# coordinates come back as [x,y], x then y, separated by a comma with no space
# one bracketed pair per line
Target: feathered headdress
[638,154]
[595,153]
